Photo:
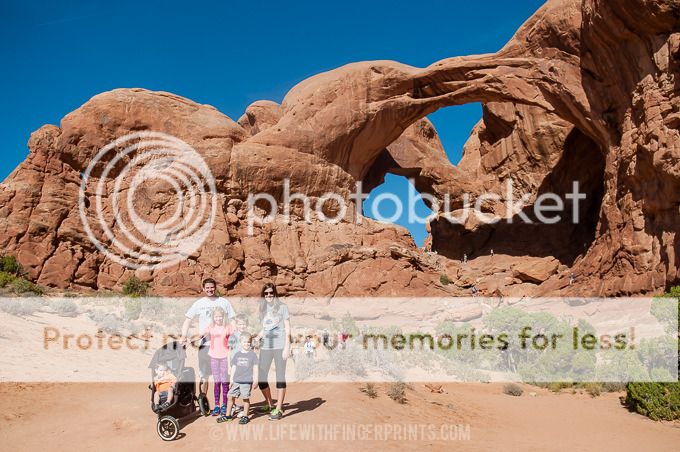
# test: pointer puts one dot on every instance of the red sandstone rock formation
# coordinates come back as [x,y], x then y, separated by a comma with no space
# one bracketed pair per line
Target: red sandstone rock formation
[585,90]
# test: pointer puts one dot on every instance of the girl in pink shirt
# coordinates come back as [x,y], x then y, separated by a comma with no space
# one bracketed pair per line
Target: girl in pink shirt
[219,333]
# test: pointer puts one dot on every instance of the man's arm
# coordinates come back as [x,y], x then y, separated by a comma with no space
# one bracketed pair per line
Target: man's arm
[185,330]
[191,313]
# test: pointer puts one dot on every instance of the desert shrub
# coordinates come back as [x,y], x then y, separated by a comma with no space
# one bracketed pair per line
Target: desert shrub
[96,315]
[174,312]
[154,309]
[65,308]
[133,309]
[24,286]
[349,361]
[134,287]
[19,308]
[557,386]
[370,390]
[444,280]
[613,386]
[397,392]
[594,389]
[657,401]
[110,324]
[9,264]
[6,278]
[513,389]
[346,325]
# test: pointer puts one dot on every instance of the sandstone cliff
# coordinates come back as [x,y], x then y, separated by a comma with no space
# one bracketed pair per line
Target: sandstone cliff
[585,91]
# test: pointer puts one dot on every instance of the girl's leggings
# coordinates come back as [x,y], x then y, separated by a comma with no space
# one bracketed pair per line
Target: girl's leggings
[220,371]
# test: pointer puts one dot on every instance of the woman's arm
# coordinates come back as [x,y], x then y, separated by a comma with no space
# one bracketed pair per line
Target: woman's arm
[255,376]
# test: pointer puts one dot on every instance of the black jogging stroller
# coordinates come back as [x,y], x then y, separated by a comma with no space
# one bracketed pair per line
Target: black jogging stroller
[184,400]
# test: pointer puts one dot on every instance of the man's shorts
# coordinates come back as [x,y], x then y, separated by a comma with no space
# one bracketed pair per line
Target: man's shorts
[204,369]
[240,390]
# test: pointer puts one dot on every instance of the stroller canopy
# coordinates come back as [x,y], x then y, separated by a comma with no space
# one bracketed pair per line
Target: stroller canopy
[172,355]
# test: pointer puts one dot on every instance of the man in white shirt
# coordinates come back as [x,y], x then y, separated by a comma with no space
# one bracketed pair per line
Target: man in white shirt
[203,308]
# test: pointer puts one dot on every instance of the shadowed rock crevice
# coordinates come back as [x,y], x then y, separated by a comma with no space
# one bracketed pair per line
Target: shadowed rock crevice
[581,162]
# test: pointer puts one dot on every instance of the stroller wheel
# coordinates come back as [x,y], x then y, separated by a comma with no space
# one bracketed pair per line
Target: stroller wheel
[167,428]
[203,404]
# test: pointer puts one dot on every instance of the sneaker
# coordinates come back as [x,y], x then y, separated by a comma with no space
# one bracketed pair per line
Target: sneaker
[216,411]
[243,420]
[224,419]
[235,409]
[223,411]
[275,415]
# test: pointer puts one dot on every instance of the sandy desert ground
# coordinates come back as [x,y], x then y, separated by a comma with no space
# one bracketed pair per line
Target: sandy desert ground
[111,417]
[73,415]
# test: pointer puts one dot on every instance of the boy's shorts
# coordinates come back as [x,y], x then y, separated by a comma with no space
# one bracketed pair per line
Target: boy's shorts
[163,397]
[240,390]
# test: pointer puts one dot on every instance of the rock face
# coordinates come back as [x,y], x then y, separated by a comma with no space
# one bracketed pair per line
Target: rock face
[585,91]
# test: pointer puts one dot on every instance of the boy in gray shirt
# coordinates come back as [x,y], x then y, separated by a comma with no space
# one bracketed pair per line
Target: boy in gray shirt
[243,366]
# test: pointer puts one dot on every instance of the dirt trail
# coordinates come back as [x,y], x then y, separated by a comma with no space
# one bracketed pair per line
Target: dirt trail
[112,416]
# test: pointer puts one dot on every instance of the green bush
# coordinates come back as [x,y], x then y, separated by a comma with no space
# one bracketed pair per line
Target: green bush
[9,264]
[657,401]
[6,278]
[23,286]
[444,280]
[134,287]
[513,389]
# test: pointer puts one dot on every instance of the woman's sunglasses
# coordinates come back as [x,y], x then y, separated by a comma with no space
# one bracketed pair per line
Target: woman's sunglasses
[270,293]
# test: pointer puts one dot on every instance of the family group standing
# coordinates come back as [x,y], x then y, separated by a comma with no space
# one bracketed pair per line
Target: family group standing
[226,351]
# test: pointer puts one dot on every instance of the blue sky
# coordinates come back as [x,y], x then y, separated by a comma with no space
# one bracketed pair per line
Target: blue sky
[57,55]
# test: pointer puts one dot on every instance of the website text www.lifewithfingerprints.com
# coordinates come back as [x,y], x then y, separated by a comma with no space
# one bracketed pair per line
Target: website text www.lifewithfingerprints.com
[337,432]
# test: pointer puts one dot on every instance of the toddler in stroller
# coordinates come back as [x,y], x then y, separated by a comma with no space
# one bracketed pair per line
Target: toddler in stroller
[165,388]
[173,389]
